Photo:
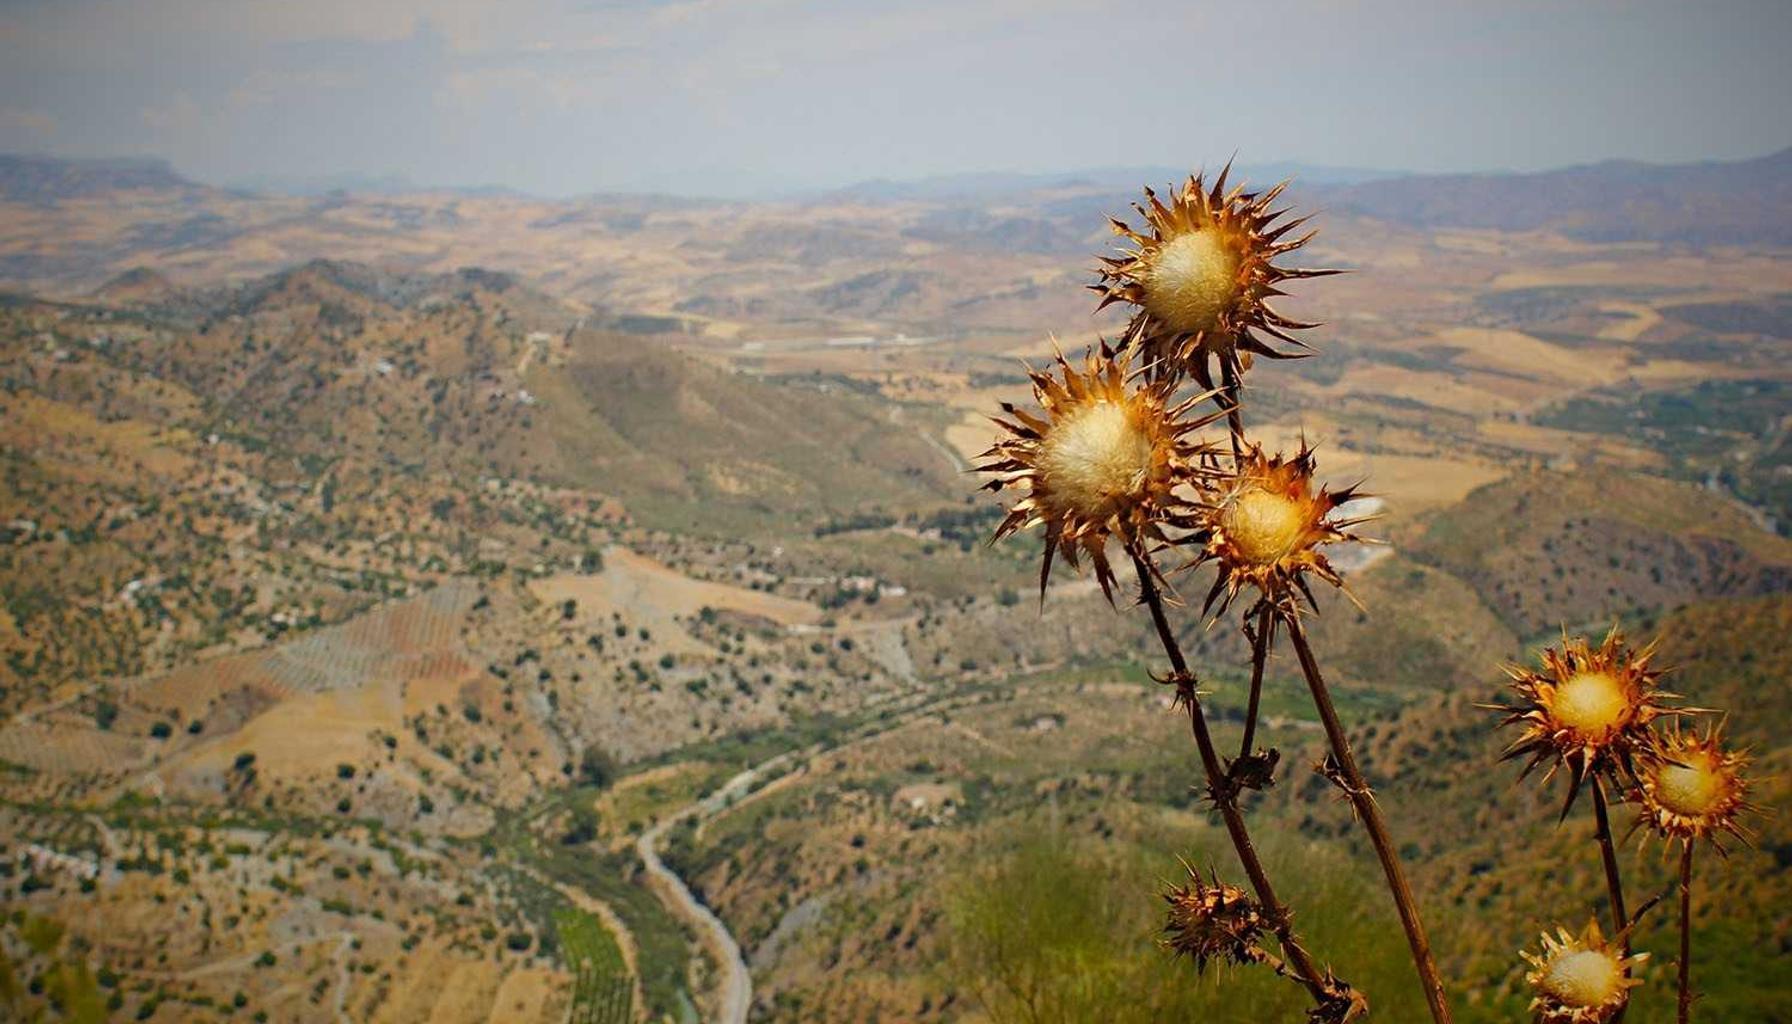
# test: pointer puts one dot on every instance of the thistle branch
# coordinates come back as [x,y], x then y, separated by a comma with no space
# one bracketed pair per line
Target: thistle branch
[1224,792]
[1614,885]
[1685,1011]
[1230,388]
[1637,915]
[1260,642]
[1369,812]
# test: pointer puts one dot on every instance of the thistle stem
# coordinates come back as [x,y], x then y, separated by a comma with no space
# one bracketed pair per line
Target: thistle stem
[1234,415]
[1614,885]
[1608,853]
[1259,654]
[1685,1013]
[1370,813]
[1225,795]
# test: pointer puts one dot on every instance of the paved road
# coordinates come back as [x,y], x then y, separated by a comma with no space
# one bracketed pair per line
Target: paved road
[736,982]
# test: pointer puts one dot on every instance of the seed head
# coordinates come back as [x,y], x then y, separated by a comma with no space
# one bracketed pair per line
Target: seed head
[1588,709]
[1341,1004]
[1104,458]
[1200,279]
[1213,921]
[1579,980]
[1263,522]
[1692,787]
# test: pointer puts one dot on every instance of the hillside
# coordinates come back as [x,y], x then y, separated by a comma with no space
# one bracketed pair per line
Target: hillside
[1747,202]
[318,584]
[869,880]
[232,462]
[1548,548]
[471,373]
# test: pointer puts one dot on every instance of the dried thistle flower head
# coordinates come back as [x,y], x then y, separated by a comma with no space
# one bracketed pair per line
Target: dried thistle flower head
[1202,276]
[1580,980]
[1341,1005]
[1691,787]
[1213,921]
[1264,521]
[1103,459]
[1587,709]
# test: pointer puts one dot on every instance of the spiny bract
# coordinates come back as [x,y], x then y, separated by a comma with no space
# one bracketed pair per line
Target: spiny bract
[1263,522]
[1691,787]
[1588,709]
[1103,460]
[1201,279]
[1213,921]
[1579,980]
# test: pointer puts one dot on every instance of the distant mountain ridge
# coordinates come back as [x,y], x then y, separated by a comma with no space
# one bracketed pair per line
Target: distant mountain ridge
[356,184]
[991,184]
[1747,201]
[40,180]
[78,224]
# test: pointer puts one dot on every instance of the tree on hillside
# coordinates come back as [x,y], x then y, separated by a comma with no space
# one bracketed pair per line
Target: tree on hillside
[597,767]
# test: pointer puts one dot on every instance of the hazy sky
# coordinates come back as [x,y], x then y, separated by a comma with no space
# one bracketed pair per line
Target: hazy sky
[743,96]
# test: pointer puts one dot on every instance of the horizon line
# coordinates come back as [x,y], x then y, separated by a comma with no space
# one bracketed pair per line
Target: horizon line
[368,183]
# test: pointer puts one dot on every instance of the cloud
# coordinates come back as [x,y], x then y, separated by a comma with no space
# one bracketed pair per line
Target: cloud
[181,115]
[641,93]
[20,121]
[268,85]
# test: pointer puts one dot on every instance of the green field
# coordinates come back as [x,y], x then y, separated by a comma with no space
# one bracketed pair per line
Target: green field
[603,991]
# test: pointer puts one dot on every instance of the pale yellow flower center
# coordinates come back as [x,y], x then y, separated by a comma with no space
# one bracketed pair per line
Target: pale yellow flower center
[1583,977]
[1193,279]
[1693,788]
[1590,703]
[1263,526]
[1094,457]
